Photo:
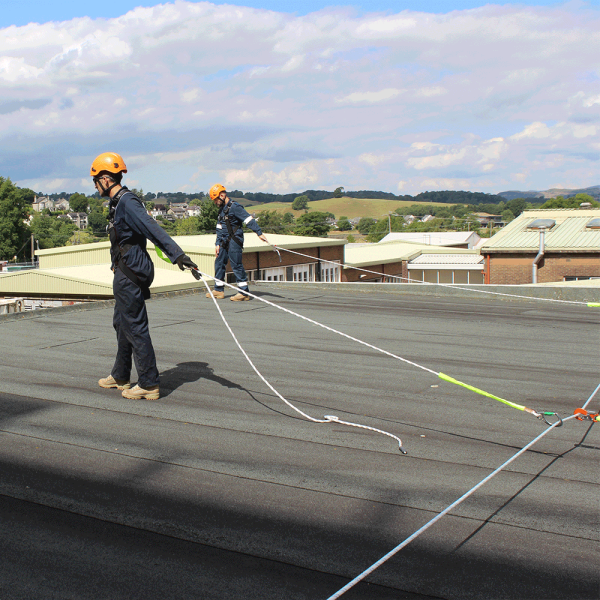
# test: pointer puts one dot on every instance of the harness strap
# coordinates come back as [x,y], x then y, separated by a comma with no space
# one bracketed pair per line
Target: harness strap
[230,228]
[123,249]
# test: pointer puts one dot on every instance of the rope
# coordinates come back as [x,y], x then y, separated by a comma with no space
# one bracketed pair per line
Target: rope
[326,418]
[537,414]
[449,285]
[417,533]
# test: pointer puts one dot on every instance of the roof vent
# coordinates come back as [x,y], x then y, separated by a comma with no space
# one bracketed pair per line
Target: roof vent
[542,224]
[594,223]
[585,205]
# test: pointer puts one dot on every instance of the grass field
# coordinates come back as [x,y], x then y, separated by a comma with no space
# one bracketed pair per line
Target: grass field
[347,207]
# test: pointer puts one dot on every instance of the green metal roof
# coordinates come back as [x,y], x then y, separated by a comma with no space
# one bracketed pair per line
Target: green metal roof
[570,233]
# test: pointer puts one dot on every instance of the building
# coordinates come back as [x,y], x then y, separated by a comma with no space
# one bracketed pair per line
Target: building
[453,239]
[545,245]
[412,262]
[83,271]
[80,219]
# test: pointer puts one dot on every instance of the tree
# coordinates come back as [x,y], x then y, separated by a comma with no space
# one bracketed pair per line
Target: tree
[338,192]
[78,203]
[149,205]
[189,226]
[28,195]
[571,202]
[51,231]
[507,216]
[207,221]
[97,222]
[313,224]
[365,225]
[344,224]
[300,203]
[270,221]
[13,212]
[288,218]
[516,206]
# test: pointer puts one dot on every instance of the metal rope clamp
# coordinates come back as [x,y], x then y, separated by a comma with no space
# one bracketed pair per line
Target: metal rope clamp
[583,415]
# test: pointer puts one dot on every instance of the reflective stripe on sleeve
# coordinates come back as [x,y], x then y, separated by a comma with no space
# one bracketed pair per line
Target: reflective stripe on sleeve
[219,226]
[248,219]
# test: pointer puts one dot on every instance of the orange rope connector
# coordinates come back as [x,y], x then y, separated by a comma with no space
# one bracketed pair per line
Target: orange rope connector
[583,415]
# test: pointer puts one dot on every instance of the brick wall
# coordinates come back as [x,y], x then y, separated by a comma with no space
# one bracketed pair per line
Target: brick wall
[270,259]
[517,268]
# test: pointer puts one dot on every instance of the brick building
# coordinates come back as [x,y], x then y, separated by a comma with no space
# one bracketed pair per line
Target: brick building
[406,262]
[545,245]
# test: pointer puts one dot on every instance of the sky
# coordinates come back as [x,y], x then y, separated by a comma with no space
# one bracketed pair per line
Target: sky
[286,96]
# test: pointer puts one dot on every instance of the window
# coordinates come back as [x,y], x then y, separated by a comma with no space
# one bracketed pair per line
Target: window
[578,277]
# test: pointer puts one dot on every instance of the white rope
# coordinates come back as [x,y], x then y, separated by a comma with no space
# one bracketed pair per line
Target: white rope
[291,312]
[448,285]
[326,418]
[590,398]
[440,515]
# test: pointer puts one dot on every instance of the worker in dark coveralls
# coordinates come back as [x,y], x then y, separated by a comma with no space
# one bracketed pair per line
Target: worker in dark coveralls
[230,242]
[129,227]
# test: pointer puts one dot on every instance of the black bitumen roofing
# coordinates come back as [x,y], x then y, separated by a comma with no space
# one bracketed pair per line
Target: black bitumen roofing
[219,490]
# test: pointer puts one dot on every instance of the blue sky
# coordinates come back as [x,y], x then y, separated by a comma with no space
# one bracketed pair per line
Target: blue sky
[380,96]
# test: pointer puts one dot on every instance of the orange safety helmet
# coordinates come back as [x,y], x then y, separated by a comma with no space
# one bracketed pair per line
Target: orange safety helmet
[215,190]
[108,161]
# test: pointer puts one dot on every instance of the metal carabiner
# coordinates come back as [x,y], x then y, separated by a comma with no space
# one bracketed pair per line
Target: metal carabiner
[543,414]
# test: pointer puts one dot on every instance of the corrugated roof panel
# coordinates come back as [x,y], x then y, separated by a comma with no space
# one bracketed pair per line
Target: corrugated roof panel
[448,259]
[374,254]
[570,232]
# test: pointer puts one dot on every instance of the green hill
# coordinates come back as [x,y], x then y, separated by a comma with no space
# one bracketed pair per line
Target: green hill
[347,207]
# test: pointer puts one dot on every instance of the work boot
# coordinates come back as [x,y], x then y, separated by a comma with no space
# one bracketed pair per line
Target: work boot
[239,297]
[111,382]
[217,294]
[138,393]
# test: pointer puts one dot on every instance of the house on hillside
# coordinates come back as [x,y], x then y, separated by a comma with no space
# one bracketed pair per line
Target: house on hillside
[80,219]
[545,245]
[486,219]
[176,212]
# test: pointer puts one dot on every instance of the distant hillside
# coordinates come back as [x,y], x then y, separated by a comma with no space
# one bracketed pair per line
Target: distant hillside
[444,197]
[533,195]
[347,207]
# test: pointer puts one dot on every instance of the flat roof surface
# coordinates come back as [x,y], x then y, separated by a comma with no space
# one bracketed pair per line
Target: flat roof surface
[220,490]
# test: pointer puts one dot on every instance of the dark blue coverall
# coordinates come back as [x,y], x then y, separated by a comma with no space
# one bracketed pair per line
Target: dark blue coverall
[133,226]
[231,250]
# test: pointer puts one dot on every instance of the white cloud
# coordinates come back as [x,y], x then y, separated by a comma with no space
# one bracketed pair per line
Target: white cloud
[276,102]
[371,97]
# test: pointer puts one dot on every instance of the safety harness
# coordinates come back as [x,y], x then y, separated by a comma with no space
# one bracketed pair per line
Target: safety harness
[119,250]
[230,228]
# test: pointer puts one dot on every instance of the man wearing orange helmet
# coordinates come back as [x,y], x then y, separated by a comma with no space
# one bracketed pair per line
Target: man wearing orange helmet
[129,228]
[230,242]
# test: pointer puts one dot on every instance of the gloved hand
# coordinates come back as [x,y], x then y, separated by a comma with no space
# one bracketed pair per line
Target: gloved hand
[184,261]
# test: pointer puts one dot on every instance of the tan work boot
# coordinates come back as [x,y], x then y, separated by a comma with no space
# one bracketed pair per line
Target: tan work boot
[138,393]
[239,297]
[218,295]
[111,382]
